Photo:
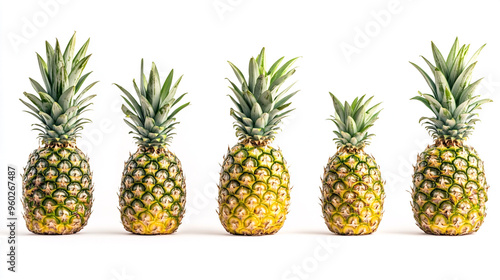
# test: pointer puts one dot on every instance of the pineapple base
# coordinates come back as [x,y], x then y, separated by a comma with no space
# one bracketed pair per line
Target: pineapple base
[57,190]
[254,192]
[352,193]
[449,190]
[153,192]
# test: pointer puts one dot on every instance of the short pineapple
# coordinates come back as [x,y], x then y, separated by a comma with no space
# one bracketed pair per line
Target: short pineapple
[254,189]
[57,181]
[153,188]
[353,190]
[449,184]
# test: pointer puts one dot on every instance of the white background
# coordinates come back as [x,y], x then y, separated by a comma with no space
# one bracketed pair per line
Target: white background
[197,38]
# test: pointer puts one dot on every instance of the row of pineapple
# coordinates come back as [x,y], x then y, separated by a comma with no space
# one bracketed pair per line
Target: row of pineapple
[449,185]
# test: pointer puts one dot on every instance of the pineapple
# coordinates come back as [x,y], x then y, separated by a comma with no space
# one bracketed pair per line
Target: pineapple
[57,180]
[153,187]
[254,188]
[449,183]
[353,190]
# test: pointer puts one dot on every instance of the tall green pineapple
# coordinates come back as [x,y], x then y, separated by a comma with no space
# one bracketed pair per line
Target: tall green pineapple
[153,189]
[353,190]
[57,181]
[254,188]
[449,183]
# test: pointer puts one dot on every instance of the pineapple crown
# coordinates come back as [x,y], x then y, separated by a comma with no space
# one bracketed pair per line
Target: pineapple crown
[352,121]
[152,121]
[452,101]
[260,106]
[60,104]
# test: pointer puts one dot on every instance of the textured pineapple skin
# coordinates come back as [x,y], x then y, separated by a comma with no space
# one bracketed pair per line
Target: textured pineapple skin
[352,193]
[449,190]
[254,192]
[153,192]
[57,190]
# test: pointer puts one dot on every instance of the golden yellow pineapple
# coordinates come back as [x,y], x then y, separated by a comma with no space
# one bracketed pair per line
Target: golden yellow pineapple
[254,189]
[153,189]
[57,180]
[449,184]
[352,190]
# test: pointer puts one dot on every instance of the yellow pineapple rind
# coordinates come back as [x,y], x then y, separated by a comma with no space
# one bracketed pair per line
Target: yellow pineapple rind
[57,190]
[449,190]
[153,192]
[254,192]
[352,193]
